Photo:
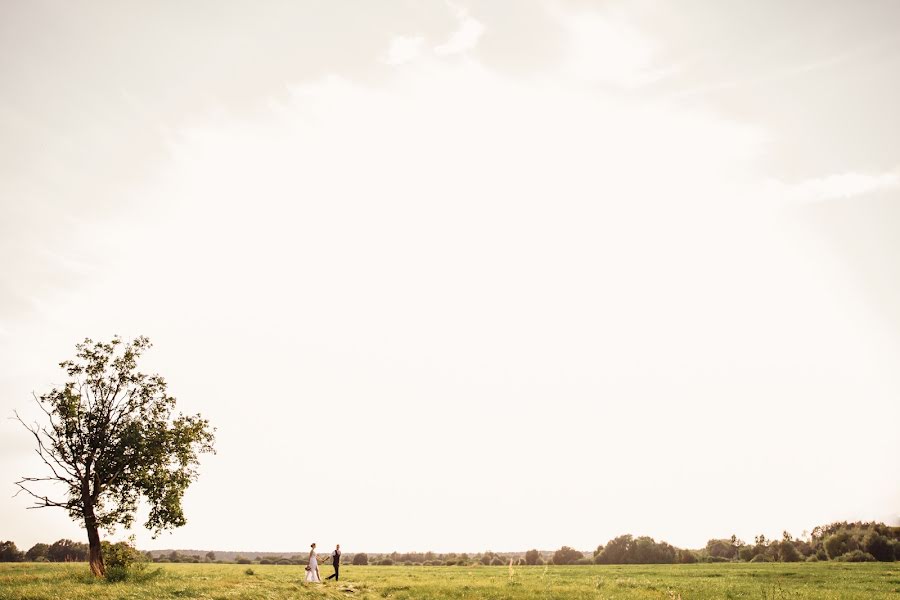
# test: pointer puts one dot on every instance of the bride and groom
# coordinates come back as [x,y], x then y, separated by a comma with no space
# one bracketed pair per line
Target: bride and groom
[312,567]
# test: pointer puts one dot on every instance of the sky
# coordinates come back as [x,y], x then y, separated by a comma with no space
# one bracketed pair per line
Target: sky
[467,276]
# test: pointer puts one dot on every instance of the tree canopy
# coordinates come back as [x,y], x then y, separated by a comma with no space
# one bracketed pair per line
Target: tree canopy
[111,438]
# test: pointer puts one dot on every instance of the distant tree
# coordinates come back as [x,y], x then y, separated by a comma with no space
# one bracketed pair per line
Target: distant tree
[210,556]
[67,551]
[878,546]
[598,550]
[37,551]
[566,556]
[360,558]
[111,438]
[721,548]
[838,544]
[616,551]
[9,552]
[787,551]
[497,561]
[531,557]
[686,557]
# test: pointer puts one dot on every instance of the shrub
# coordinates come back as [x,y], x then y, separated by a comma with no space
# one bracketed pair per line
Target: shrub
[249,572]
[122,561]
[497,562]
[856,556]
[716,559]
[761,558]
[360,558]
[584,560]
[812,558]
[539,561]
[385,562]
[243,561]
[686,557]
[450,562]
[532,556]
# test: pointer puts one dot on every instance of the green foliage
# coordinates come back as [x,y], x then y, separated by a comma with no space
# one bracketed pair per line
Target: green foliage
[360,558]
[112,438]
[761,558]
[856,556]
[37,552]
[627,549]
[839,544]
[686,557]
[531,557]
[787,552]
[249,572]
[566,556]
[67,551]
[10,553]
[878,546]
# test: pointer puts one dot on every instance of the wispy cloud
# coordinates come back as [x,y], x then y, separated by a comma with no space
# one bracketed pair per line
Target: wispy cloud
[465,38]
[837,187]
[403,49]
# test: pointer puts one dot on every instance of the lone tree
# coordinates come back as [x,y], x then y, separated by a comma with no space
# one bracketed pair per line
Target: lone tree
[111,438]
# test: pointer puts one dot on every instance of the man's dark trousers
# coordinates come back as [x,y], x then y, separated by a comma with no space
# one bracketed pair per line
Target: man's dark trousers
[337,568]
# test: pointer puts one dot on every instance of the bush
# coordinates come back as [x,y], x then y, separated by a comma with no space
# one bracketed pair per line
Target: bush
[385,562]
[249,572]
[686,557]
[761,558]
[532,556]
[450,562]
[584,561]
[360,558]
[122,561]
[856,556]
[497,562]
[812,558]
[243,561]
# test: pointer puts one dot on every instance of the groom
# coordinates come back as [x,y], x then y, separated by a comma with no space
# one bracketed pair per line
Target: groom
[336,561]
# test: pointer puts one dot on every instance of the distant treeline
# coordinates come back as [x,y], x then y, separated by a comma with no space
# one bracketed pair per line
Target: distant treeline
[852,542]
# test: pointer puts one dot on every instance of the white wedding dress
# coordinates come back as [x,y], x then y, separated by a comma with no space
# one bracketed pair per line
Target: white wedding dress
[313,574]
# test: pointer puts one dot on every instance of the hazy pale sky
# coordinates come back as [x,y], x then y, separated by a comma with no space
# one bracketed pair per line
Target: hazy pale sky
[469,275]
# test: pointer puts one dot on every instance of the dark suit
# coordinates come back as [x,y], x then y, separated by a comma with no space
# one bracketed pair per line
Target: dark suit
[336,561]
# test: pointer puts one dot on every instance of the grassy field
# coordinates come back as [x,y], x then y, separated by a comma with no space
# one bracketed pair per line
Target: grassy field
[43,581]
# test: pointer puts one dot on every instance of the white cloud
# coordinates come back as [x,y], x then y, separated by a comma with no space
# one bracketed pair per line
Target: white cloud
[606,48]
[403,49]
[835,187]
[466,36]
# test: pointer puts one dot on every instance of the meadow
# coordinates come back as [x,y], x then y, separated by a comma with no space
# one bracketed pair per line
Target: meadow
[845,581]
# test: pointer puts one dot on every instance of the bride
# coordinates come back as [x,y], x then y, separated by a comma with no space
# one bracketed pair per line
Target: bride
[312,569]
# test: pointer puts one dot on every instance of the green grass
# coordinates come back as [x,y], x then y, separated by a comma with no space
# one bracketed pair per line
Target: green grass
[845,581]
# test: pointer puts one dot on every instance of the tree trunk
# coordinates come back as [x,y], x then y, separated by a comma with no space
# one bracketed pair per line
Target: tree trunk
[95,551]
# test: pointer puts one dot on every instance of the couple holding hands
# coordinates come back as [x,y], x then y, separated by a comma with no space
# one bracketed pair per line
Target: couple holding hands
[312,567]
